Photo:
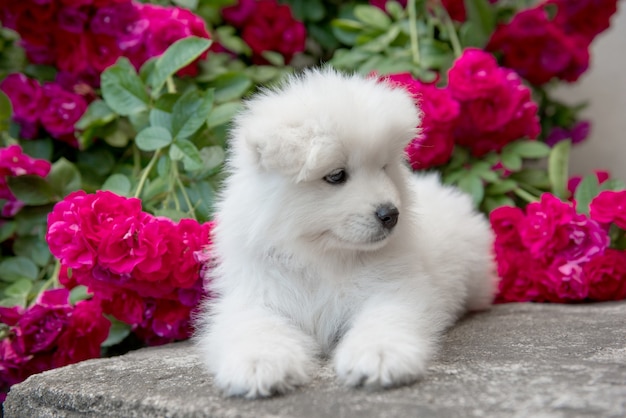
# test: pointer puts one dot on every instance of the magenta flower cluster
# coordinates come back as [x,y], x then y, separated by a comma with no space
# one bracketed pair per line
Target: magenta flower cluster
[50,333]
[540,48]
[551,253]
[143,270]
[49,106]
[483,107]
[84,37]
[266,25]
[13,162]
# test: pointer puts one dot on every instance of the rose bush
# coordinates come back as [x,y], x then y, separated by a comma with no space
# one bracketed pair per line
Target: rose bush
[114,117]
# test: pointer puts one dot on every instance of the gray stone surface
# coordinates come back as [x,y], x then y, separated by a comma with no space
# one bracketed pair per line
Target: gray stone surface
[518,360]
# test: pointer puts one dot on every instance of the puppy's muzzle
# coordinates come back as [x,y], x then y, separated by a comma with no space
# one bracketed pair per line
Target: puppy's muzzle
[387,214]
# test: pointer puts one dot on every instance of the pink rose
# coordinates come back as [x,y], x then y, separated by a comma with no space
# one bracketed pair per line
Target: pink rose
[607,275]
[63,109]
[65,235]
[542,230]
[25,95]
[13,162]
[474,75]
[86,330]
[496,108]
[191,237]
[127,306]
[434,144]
[609,206]
[41,325]
[564,282]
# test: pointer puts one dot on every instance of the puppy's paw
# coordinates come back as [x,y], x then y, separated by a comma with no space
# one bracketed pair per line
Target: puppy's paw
[255,371]
[380,363]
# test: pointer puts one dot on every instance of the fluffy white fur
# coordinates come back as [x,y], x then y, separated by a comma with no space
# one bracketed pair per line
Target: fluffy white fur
[306,269]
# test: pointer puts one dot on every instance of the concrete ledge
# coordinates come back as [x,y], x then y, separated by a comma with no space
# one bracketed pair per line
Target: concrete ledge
[518,360]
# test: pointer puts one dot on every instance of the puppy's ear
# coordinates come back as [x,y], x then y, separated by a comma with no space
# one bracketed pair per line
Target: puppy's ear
[283,150]
[300,152]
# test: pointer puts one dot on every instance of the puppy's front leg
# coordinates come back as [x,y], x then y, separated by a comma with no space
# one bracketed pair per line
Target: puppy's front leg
[254,352]
[389,343]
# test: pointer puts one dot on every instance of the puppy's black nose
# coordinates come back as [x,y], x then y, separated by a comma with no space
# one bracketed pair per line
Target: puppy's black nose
[388,215]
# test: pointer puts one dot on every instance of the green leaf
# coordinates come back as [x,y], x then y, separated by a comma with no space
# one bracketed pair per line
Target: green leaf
[585,192]
[492,202]
[97,114]
[32,247]
[6,110]
[152,138]
[173,214]
[64,177]
[528,149]
[534,177]
[180,54]
[372,16]
[346,30]
[118,183]
[32,190]
[7,229]
[19,289]
[232,42]
[212,157]
[395,10]
[473,186]
[122,89]
[558,168]
[100,161]
[383,41]
[483,13]
[79,293]
[161,114]
[38,148]
[13,269]
[231,85]
[501,187]
[223,113]
[186,151]
[190,112]
[118,331]
[613,184]
[275,58]
[511,161]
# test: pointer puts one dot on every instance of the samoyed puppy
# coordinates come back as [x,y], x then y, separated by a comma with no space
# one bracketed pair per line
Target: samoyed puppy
[327,245]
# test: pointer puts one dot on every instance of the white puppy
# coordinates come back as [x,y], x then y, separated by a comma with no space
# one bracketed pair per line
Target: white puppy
[327,244]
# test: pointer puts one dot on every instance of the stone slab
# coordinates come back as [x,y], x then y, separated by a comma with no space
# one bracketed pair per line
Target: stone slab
[517,360]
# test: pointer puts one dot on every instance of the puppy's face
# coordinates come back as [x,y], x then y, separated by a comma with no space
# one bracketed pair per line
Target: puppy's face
[333,146]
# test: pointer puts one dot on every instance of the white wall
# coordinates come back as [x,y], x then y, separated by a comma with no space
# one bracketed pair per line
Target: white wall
[604,85]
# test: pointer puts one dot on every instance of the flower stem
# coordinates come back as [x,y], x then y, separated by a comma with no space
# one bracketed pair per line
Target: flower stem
[525,195]
[454,38]
[415,48]
[185,196]
[171,87]
[146,172]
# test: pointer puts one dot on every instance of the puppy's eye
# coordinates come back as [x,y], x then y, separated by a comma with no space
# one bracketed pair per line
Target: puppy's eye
[337,176]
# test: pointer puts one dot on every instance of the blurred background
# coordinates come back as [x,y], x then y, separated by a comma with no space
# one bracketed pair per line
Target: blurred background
[605,88]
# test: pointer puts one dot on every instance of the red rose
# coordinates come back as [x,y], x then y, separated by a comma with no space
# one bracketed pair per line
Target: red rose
[538,49]
[273,28]
[607,275]
[86,330]
[26,96]
[586,18]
